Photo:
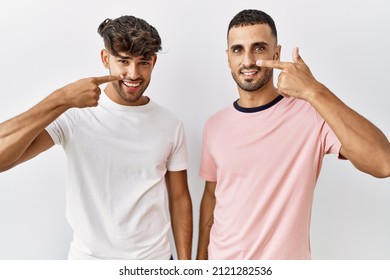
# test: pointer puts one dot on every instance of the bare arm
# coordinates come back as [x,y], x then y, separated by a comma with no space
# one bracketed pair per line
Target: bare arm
[180,208]
[362,142]
[206,220]
[19,139]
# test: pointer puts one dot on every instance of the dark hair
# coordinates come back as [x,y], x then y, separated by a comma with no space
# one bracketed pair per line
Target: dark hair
[130,35]
[252,17]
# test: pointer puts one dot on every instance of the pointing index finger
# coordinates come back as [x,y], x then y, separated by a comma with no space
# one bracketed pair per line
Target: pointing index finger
[106,79]
[272,64]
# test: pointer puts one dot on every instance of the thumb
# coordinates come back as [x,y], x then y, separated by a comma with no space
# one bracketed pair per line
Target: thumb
[296,56]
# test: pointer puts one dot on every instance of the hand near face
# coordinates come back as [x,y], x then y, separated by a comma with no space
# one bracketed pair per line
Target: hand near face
[85,92]
[295,78]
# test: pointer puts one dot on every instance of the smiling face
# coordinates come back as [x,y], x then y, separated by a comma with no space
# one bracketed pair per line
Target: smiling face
[137,73]
[246,44]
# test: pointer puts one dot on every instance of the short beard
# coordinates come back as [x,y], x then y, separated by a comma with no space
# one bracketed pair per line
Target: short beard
[132,99]
[253,86]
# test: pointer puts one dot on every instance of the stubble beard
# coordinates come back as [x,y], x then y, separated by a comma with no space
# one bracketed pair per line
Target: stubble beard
[253,85]
[133,98]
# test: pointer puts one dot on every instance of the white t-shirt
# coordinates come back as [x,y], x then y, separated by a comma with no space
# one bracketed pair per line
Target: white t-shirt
[116,192]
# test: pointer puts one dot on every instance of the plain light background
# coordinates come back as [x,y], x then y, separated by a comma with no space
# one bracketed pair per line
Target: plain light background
[47,44]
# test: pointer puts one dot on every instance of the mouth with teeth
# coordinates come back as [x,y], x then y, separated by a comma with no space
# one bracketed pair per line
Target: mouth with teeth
[131,85]
[249,73]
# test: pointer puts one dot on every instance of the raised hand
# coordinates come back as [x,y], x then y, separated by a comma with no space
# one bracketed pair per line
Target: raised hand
[85,92]
[295,78]
[23,137]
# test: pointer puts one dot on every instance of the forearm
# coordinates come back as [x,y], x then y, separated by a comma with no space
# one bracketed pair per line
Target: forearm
[17,134]
[363,143]
[203,240]
[206,221]
[182,227]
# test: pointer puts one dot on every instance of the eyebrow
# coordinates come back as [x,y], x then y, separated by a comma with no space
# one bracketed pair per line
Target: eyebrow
[235,46]
[131,57]
[259,44]
[123,57]
[255,44]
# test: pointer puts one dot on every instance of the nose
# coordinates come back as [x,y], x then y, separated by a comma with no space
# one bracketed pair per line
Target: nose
[132,71]
[248,60]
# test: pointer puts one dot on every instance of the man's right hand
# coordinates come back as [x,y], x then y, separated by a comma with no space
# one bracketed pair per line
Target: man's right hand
[22,139]
[85,92]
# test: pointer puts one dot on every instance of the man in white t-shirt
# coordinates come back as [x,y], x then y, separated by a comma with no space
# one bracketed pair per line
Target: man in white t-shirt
[124,153]
[262,154]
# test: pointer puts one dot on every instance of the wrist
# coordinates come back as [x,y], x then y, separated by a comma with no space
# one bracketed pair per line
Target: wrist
[316,92]
[61,99]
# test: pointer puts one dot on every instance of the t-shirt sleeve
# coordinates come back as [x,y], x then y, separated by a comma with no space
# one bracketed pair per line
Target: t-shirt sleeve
[61,129]
[330,142]
[178,159]
[208,170]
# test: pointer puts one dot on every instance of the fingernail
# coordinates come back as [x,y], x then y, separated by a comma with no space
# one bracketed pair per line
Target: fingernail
[259,62]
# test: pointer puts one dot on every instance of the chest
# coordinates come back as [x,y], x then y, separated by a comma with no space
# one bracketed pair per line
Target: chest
[263,143]
[127,141]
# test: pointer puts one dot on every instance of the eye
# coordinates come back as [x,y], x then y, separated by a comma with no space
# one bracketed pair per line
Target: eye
[237,50]
[144,63]
[123,61]
[259,48]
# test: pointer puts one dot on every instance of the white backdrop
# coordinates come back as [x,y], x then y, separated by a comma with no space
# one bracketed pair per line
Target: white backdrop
[47,44]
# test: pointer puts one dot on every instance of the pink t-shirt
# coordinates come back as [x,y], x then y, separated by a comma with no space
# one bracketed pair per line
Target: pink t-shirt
[266,162]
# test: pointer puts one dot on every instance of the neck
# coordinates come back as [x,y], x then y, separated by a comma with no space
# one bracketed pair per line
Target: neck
[260,97]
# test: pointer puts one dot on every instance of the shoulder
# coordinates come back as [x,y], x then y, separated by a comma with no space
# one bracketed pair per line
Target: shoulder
[221,115]
[299,111]
[297,106]
[163,114]
[70,117]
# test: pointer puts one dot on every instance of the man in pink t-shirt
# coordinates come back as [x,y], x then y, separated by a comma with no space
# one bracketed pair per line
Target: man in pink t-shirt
[262,155]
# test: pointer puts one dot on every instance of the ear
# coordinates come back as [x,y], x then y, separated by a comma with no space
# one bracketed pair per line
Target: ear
[154,59]
[278,51]
[104,55]
[227,54]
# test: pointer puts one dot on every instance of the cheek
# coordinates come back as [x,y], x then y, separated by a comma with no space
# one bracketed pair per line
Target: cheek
[146,73]
[264,56]
[233,64]
[115,70]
